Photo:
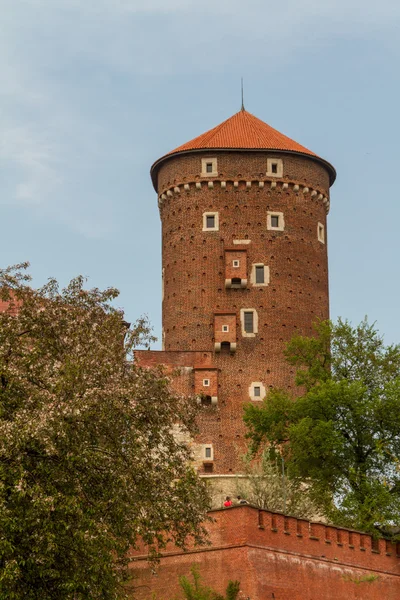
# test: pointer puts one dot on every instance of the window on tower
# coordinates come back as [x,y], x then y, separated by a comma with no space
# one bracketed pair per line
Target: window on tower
[210,221]
[249,322]
[274,167]
[260,274]
[275,221]
[257,390]
[209,167]
[321,233]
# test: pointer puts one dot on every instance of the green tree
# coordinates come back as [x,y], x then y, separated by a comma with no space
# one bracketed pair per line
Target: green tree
[198,591]
[88,460]
[267,486]
[342,435]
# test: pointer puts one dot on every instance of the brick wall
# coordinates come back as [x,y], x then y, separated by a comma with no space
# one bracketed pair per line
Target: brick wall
[279,557]
[195,269]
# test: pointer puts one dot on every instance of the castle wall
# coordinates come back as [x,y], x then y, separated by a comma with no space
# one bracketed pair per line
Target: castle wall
[279,557]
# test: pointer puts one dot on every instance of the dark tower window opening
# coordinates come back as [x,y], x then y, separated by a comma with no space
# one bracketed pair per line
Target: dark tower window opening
[274,168]
[249,322]
[236,281]
[208,468]
[274,221]
[209,167]
[260,274]
[236,263]
[210,221]
[257,390]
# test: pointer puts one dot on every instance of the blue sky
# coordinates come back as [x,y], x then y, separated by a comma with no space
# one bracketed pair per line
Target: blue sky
[92,92]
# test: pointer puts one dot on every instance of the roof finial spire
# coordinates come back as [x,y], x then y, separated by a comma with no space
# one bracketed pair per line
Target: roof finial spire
[242,95]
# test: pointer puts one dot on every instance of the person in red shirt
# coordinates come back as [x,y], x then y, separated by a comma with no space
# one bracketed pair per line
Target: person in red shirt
[228,502]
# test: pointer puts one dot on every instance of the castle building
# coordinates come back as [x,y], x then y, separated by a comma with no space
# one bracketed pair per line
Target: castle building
[244,268]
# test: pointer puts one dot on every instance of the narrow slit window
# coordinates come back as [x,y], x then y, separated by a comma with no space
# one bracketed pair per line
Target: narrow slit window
[274,220]
[210,221]
[274,168]
[260,274]
[249,322]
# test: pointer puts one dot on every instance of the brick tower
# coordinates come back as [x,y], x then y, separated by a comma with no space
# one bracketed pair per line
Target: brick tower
[244,268]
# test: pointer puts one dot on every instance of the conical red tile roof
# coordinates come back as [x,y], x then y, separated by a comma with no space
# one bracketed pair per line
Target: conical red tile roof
[244,131]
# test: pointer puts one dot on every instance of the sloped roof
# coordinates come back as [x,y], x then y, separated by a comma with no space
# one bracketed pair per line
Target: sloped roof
[244,131]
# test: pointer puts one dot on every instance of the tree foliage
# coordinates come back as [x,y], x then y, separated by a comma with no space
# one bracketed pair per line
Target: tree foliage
[267,486]
[198,591]
[342,435]
[88,460]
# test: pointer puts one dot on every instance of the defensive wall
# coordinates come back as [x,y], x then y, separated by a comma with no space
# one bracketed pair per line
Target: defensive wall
[277,557]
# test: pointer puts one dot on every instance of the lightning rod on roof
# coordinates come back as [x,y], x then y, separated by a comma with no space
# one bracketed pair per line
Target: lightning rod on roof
[242,95]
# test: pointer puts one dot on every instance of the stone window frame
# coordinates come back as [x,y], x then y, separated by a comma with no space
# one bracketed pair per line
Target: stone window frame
[253,275]
[225,328]
[255,322]
[236,266]
[321,232]
[216,221]
[206,383]
[263,392]
[281,220]
[204,163]
[274,161]
[204,452]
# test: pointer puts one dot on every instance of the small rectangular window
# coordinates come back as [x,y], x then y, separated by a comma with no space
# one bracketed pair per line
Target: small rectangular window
[210,221]
[209,167]
[207,452]
[260,274]
[206,382]
[225,328]
[236,263]
[249,322]
[274,221]
[257,390]
[274,168]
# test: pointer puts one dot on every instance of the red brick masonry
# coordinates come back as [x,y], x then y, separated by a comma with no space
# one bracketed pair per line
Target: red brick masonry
[279,557]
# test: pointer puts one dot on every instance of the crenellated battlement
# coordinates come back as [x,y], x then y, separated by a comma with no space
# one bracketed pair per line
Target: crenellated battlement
[282,557]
